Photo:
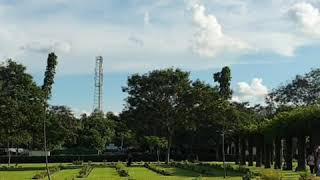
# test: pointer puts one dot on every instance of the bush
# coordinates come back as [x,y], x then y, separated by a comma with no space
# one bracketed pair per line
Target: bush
[307,176]
[79,163]
[121,169]
[271,175]
[43,174]
[85,171]
[158,170]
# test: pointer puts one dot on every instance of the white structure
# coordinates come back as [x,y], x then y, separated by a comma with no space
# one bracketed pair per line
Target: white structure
[38,153]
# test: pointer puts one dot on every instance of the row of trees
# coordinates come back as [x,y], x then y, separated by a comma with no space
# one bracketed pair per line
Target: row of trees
[165,109]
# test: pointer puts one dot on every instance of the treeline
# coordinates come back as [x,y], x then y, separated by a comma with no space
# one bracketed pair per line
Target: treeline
[166,111]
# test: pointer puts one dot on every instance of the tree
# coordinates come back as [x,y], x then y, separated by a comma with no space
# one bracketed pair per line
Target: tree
[224,80]
[158,143]
[19,96]
[97,131]
[47,88]
[155,99]
[62,127]
[301,91]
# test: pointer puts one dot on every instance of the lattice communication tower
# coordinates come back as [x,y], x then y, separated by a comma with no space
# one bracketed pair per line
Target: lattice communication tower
[98,84]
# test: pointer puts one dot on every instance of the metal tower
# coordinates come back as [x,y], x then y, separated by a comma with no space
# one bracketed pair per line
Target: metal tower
[98,84]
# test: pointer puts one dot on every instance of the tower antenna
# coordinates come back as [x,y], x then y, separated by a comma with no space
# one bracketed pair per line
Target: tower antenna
[98,84]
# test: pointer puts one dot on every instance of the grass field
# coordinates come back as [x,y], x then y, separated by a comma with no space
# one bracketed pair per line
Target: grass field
[137,173]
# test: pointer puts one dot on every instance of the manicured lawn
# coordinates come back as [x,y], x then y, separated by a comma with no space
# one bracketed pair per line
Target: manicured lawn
[65,174]
[179,174]
[104,173]
[17,175]
[138,173]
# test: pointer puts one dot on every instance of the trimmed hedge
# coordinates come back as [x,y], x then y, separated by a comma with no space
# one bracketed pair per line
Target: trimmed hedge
[104,157]
[158,170]
[85,171]
[44,174]
[206,168]
[39,168]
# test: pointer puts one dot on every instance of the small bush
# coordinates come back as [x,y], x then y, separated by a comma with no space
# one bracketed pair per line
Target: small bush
[271,175]
[158,169]
[79,163]
[85,171]
[307,176]
[43,174]
[121,169]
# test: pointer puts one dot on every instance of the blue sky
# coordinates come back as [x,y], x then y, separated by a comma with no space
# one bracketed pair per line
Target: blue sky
[264,42]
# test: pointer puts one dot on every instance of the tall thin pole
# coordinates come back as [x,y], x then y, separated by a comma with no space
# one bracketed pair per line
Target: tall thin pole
[223,156]
[45,144]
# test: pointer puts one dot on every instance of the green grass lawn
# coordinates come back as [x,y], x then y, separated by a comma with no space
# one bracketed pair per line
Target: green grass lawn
[103,174]
[138,173]
[17,175]
[65,174]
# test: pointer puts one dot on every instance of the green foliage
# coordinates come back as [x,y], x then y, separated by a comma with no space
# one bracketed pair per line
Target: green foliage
[271,175]
[85,171]
[43,174]
[121,169]
[62,126]
[77,162]
[224,80]
[158,170]
[49,75]
[307,176]
[21,102]
[301,91]
[97,131]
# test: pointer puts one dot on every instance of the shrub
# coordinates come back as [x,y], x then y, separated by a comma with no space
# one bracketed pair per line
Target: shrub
[271,175]
[158,169]
[85,171]
[307,176]
[121,169]
[43,174]
[77,162]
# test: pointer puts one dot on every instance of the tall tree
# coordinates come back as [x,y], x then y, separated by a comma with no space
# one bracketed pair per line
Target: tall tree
[19,96]
[97,131]
[300,91]
[155,99]
[224,80]
[47,88]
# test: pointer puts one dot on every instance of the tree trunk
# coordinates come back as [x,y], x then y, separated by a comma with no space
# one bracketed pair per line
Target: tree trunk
[267,152]
[9,154]
[158,154]
[242,151]
[236,159]
[169,148]
[302,153]
[259,144]
[288,153]
[278,158]
[250,149]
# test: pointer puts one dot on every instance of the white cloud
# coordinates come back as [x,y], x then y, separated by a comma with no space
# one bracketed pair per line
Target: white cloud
[47,47]
[210,39]
[306,17]
[253,93]
[146,18]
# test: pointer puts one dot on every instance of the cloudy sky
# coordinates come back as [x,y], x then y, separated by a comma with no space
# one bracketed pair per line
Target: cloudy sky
[265,42]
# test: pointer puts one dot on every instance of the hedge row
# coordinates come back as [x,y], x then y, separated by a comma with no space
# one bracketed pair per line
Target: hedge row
[158,170]
[85,171]
[206,168]
[44,174]
[101,158]
[35,168]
